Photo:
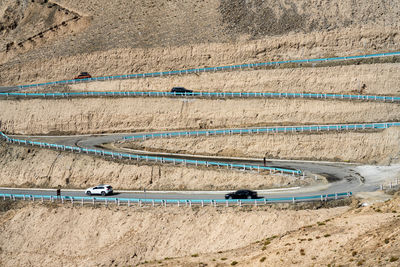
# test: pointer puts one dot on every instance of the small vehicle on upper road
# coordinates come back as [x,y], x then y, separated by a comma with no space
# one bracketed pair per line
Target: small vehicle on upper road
[181,91]
[83,75]
[242,194]
[101,189]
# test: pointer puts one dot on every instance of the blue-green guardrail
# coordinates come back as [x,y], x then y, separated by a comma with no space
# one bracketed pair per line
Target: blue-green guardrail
[206,94]
[279,129]
[164,202]
[137,157]
[209,69]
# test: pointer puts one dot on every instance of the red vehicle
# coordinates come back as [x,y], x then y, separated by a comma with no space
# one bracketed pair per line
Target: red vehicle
[83,75]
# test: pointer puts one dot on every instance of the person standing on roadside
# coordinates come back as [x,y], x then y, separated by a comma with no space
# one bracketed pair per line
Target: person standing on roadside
[59,192]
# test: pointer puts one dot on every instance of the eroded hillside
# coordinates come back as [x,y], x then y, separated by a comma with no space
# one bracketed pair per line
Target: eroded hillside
[136,36]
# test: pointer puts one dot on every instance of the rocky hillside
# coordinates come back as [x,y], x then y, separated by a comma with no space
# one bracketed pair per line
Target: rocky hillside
[130,36]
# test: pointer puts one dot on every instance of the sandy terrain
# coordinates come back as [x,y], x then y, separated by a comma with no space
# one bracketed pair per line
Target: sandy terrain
[39,44]
[358,237]
[175,236]
[97,115]
[365,147]
[136,36]
[124,236]
[35,167]
[376,79]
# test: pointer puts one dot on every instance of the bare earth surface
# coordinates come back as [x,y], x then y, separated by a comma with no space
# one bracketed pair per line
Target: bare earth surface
[365,147]
[376,79]
[98,115]
[50,40]
[191,236]
[37,167]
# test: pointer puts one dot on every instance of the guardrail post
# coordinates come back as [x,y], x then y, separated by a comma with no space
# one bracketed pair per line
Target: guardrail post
[239,203]
[93,201]
[106,202]
[336,197]
[190,203]
[226,203]
[152,202]
[4,197]
[72,201]
[255,202]
[322,198]
[41,199]
[294,200]
[129,203]
[381,186]
[82,202]
[62,200]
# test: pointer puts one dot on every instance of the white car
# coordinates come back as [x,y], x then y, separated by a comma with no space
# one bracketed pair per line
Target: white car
[101,189]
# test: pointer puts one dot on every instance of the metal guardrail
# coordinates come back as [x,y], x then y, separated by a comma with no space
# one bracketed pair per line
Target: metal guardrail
[210,69]
[137,157]
[280,129]
[206,94]
[178,202]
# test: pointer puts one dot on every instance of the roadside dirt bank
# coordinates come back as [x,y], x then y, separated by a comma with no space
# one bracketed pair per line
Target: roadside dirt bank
[178,236]
[122,236]
[36,67]
[373,79]
[102,115]
[370,147]
[34,167]
[364,236]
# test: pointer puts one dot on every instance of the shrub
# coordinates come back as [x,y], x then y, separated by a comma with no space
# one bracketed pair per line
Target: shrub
[222,259]
[354,253]
[263,259]
[327,235]
[393,259]
[386,240]
[234,263]
[302,253]
[195,255]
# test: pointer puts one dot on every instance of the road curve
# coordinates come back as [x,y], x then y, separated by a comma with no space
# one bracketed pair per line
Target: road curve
[343,177]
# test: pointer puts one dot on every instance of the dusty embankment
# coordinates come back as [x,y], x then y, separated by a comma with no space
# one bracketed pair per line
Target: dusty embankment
[367,236]
[47,235]
[176,236]
[221,36]
[369,147]
[373,79]
[98,115]
[35,167]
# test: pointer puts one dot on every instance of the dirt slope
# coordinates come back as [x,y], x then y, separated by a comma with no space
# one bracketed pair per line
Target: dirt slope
[35,167]
[135,36]
[98,115]
[125,236]
[376,79]
[360,237]
[365,147]
[192,237]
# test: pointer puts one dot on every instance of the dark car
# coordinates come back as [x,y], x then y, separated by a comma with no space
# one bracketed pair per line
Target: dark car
[83,75]
[242,194]
[181,90]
